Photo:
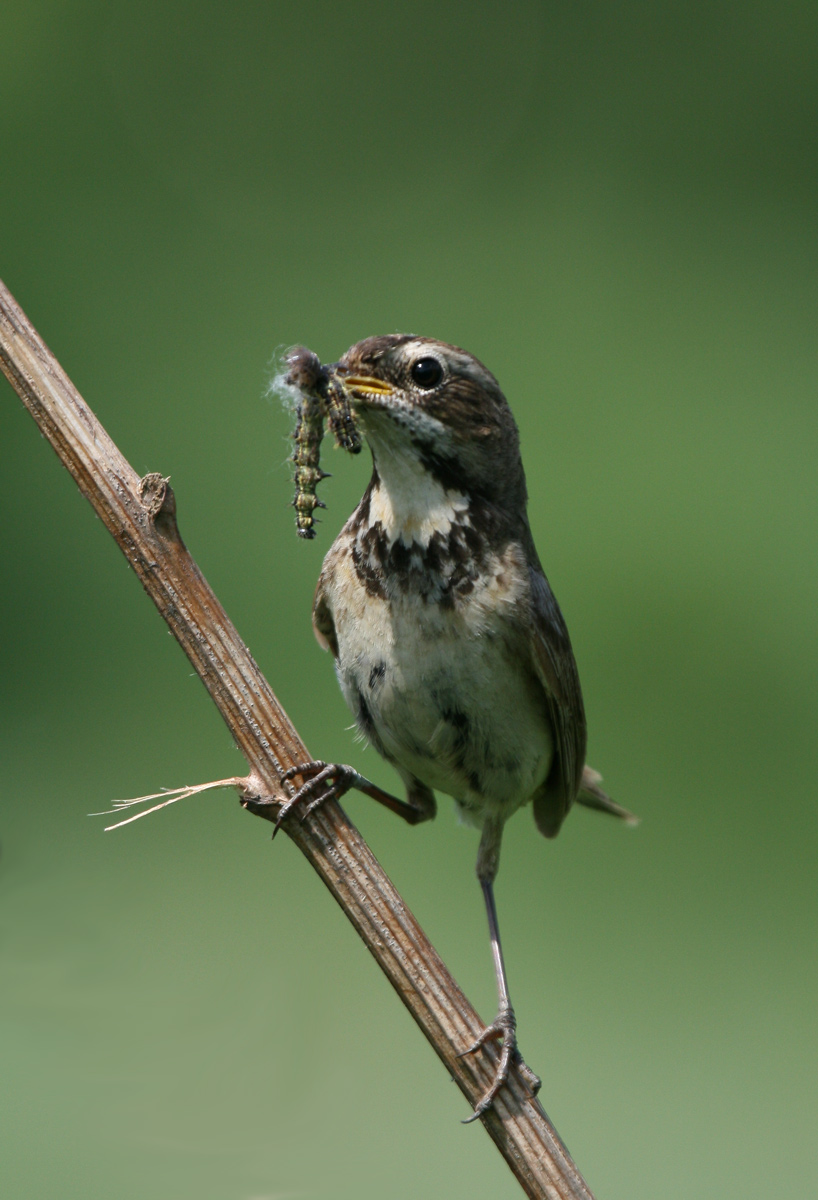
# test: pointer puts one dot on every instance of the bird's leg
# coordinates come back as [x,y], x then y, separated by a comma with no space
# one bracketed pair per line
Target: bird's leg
[329,781]
[504,1026]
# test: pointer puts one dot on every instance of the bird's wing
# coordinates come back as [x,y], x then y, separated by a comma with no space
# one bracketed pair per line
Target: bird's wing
[556,669]
[322,621]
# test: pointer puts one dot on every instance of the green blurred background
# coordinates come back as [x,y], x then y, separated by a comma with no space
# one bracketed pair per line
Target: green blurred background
[615,208]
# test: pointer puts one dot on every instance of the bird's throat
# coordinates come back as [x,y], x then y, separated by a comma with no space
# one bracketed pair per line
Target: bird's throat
[409,503]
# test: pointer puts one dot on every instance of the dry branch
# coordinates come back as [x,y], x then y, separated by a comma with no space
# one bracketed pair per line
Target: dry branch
[141,516]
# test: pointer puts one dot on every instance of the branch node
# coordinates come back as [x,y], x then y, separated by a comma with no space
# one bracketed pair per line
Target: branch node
[256,797]
[157,495]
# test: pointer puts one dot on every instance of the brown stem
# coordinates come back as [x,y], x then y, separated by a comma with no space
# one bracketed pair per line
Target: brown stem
[141,515]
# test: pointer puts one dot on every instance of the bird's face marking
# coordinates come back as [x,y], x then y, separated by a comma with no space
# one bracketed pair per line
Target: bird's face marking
[423,399]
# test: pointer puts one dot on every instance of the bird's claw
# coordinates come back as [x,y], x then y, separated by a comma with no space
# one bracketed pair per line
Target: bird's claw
[503,1028]
[338,778]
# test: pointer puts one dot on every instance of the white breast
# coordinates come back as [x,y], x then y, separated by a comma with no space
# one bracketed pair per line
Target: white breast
[447,693]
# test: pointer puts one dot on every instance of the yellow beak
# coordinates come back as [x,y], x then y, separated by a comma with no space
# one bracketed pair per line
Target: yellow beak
[362,386]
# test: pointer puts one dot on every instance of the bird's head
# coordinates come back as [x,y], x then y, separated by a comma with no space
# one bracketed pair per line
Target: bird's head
[425,404]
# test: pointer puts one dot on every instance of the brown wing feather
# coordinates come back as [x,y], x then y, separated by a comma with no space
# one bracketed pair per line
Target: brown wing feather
[322,621]
[554,663]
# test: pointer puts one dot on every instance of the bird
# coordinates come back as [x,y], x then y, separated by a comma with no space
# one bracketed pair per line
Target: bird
[449,646]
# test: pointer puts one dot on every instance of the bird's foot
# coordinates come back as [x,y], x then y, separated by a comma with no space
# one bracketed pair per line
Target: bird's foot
[322,781]
[504,1029]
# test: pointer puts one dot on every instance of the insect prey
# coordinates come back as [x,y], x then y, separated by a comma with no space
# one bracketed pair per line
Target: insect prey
[321,395]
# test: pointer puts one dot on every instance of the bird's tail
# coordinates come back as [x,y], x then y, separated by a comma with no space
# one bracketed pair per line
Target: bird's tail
[592,796]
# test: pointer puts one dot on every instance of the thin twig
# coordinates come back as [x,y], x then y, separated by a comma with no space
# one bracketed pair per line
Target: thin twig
[166,796]
[141,516]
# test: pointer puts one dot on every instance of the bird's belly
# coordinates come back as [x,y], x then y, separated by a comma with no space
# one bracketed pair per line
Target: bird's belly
[450,702]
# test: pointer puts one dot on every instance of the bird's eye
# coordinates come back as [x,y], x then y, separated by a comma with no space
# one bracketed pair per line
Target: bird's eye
[426,373]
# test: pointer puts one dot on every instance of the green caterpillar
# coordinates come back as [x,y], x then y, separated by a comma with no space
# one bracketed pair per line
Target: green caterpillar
[322,395]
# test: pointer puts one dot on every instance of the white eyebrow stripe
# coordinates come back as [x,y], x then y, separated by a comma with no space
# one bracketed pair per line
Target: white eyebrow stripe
[456,362]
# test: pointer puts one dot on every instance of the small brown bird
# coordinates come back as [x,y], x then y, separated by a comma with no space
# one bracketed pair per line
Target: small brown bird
[449,646]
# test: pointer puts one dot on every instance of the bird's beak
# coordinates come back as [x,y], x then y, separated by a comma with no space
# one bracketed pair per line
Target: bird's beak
[366,387]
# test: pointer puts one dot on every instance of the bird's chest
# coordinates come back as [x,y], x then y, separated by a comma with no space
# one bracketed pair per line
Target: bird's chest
[432,662]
